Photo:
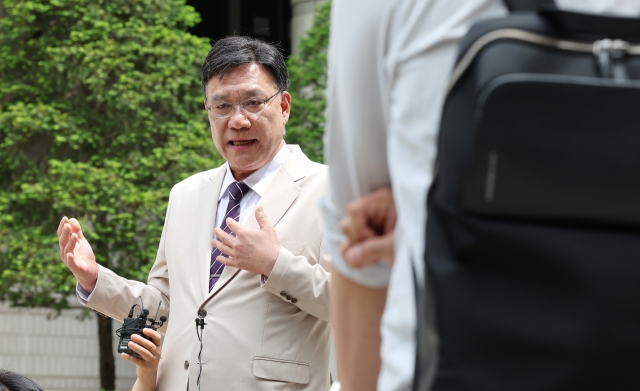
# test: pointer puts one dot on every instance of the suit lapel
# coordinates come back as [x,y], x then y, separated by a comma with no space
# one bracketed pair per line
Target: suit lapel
[283,190]
[277,199]
[208,196]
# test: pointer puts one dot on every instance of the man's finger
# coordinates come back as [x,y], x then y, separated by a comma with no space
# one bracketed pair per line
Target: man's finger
[156,338]
[63,221]
[76,228]
[64,234]
[371,251]
[354,225]
[233,225]
[71,244]
[227,261]
[144,343]
[262,219]
[62,243]
[221,246]
[224,237]
[144,353]
[355,233]
[131,358]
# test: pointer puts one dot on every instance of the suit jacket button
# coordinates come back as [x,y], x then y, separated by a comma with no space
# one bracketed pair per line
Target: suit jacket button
[186,364]
[288,297]
[202,313]
[283,293]
[294,300]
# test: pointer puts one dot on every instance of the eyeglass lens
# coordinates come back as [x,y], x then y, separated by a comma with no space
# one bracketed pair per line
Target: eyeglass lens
[250,106]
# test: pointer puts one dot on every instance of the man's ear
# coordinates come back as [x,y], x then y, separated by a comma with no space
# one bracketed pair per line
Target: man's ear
[285,105]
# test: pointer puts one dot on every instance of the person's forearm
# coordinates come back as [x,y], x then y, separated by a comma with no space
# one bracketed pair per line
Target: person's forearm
[356,311]
[140,386]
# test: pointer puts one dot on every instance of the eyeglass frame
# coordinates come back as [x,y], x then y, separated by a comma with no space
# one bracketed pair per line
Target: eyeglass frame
[242,109]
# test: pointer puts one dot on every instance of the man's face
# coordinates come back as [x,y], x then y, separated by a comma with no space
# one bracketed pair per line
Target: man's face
[247,141]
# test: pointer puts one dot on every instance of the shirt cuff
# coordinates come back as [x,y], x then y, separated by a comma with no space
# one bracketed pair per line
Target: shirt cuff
[375,276]
[83,296]
[263,278]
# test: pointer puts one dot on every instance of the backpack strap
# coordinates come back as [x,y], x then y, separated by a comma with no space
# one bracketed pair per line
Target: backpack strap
[527,5]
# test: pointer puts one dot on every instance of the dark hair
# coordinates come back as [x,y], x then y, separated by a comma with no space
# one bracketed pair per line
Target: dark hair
[11,381]
[233,51]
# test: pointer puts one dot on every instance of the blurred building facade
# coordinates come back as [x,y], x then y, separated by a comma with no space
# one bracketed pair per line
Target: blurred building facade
[278,21]
[61,353]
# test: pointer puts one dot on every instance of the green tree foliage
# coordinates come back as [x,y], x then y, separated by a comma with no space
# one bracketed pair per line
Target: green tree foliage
[308,72]
[100,114]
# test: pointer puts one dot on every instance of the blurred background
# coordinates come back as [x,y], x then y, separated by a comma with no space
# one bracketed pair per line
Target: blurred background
[100,114]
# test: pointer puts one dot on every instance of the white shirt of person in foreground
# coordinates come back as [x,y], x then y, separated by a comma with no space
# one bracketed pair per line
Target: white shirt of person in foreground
[389,65]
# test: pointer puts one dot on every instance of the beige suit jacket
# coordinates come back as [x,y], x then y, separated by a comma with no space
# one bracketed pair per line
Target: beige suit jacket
[255,337]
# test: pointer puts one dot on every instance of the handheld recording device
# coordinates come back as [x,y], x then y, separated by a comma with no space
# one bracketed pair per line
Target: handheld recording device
[135,325]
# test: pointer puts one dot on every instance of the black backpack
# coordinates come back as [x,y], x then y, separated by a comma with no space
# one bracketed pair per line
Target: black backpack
[533,232]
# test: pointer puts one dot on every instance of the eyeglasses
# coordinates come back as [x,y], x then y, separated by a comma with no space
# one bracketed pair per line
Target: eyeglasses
[250,107]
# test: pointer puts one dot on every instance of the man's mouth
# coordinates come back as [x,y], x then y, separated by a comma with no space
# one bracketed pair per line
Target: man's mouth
[241,142]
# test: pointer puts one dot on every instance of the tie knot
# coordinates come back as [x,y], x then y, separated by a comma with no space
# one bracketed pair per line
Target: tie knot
[237,190]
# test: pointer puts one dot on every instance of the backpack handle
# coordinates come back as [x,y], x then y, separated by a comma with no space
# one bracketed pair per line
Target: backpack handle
[527,5]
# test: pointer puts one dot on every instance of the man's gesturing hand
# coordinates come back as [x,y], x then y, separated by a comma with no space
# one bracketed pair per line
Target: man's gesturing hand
[369,227]
[252,250]
[77,254]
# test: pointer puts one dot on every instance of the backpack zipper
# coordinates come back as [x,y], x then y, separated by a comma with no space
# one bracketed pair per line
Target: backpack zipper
[603,49]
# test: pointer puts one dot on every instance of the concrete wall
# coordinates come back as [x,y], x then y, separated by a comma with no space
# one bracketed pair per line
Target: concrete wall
[58,353]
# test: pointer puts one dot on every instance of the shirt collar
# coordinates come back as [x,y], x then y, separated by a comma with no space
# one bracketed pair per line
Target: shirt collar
[261,179]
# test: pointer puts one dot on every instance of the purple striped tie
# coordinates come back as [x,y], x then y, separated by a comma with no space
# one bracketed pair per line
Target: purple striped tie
[236,190]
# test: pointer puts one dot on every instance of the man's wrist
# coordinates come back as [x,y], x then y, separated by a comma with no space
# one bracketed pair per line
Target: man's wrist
[90,286]
[269,267]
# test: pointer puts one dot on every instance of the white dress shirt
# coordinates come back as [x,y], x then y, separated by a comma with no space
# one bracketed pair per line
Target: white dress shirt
[389,65]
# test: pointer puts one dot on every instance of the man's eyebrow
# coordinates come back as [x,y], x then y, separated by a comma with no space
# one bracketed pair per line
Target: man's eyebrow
[253,92]
[219,97]
[245,94]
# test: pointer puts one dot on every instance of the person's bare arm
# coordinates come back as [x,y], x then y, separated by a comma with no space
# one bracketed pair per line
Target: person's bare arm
[356,311]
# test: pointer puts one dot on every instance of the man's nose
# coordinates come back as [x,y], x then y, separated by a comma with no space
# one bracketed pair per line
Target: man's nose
[238,119]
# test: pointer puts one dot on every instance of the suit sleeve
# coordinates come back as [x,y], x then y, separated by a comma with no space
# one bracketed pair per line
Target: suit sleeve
[113,295]
[306,285]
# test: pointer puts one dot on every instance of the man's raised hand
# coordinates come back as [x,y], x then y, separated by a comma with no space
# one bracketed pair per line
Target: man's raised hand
[76,253]
[253,250]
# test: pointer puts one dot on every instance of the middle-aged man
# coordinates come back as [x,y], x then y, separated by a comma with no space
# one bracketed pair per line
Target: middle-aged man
[261,286]
[387,83]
